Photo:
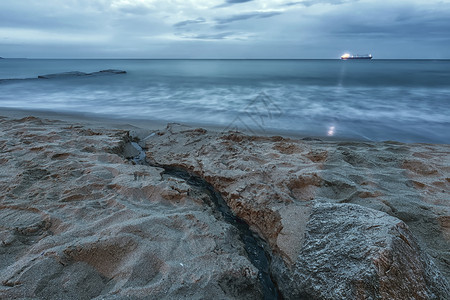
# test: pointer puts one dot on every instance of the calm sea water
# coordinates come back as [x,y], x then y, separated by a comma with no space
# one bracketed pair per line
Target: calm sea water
[404,100]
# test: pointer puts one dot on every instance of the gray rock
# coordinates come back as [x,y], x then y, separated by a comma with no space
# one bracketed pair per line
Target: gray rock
[352,252]
[79,74]
[107,72]
[62,75]
[65,75]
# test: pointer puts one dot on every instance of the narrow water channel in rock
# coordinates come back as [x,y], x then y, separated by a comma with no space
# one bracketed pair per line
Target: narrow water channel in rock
[253,244]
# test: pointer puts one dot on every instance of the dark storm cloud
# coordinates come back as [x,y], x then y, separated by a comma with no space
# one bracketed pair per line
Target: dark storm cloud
[247,16]
[237,1]
[308,3]
[437,28]
[407,23]
[189,22]
[138,9]
[232,2]
[216,36]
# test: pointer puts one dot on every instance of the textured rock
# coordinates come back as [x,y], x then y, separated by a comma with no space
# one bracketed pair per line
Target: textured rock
[352,252]
[273,182]
[343,220]
[77,221]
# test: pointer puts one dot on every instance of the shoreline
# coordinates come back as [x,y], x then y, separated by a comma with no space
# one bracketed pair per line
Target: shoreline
[147,125]
[143,124]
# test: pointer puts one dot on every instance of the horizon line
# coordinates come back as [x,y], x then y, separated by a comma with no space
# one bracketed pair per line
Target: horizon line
[118,58]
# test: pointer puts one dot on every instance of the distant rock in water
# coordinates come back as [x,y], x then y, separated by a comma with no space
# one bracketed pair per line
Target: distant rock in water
[79,74]
[109,71]
[65,75]
[62,75]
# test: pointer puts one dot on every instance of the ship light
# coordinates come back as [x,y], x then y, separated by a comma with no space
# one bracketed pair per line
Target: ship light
[331,131]
[346,55]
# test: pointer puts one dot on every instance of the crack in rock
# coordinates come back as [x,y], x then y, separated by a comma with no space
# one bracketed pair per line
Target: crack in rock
[257,250]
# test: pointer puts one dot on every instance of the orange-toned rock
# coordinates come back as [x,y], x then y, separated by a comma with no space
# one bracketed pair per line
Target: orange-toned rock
[277,184]
[78,221]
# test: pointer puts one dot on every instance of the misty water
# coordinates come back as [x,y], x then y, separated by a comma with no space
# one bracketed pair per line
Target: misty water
[376,100]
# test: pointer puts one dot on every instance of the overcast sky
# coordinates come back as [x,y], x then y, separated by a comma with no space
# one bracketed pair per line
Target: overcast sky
[224,28]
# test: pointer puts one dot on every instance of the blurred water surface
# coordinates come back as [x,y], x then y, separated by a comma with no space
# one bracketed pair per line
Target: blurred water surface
[404,100]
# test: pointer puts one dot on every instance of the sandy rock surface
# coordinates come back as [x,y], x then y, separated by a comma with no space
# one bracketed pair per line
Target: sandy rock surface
[342,220]
[78,221]
[277,185]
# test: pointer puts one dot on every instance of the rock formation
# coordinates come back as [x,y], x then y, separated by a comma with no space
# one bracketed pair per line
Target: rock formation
[341,220]
[78,74]
[68,75]
[281,187]
[352,252]
[79,221]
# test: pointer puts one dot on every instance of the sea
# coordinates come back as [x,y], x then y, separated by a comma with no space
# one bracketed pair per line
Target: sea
[371,100]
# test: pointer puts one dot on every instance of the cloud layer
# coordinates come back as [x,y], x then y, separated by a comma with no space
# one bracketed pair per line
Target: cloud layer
[224,28]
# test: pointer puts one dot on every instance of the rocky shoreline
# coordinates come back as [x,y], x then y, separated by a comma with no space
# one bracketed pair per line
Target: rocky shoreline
[338,220]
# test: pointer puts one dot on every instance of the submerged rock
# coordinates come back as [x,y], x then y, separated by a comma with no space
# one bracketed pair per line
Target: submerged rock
[66,75]
[108,72]
[78,74]
[62,75]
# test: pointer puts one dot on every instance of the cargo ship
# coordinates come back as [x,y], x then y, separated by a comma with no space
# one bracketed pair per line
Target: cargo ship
[349,56]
